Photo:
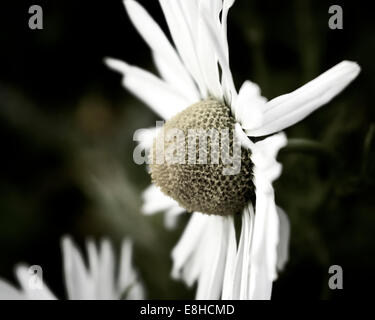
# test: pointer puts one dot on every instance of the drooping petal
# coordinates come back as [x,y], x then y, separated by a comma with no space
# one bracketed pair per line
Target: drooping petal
[243,264]
[230,264]
[188,255]
[288,109]
[157,94]
[201,254]
[167,60]
[264,247]
[210,282]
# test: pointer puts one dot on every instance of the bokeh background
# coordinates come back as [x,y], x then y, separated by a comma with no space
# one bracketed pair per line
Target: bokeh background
[66,128]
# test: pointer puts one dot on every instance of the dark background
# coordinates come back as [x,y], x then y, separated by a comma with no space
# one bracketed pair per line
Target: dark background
[66,128]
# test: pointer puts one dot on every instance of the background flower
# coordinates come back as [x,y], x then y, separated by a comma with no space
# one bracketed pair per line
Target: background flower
[101,278]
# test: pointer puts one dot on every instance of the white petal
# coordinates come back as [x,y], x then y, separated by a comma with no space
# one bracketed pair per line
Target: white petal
[167,58]
[265,242]
[230,262]
[172,76]
[127,276]
[210,281]
[171,217]
[248,109]
[216,41]
[208,60]
[181,24]
[93,270]
[288,109]
[264,246]
[157,94]
[241,277]
[136,292]
[105,281]
[79,284]
[154,200]
[8,292]
[224,22]
[226,82]
[188,255]
[284,235]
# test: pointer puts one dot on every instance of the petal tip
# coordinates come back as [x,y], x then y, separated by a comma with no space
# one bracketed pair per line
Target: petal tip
[116,65]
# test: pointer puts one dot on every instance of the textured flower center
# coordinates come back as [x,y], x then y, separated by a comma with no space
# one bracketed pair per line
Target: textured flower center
[193,168]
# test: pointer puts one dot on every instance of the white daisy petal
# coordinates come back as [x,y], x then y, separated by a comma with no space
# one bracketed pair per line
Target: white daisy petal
[243,266]
[264,245]
[105,280]
[171,217]
[126,274]
[284,235]
[136,292]
[216,41]
[208,60]
[188,255]
[227,4]
[93,269]
[248,109]
[210,282]
[160,96]
[213,6]
[264,249]
[286,110]
[128,278]
[154,200]
[230,262]
[78,283]
[173,78]
[180,24]
[167,59]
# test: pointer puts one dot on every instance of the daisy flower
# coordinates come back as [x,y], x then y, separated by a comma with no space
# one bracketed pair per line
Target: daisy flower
[95,281]
[195,90]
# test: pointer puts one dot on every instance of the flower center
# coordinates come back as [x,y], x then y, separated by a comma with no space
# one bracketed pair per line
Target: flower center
[197,164]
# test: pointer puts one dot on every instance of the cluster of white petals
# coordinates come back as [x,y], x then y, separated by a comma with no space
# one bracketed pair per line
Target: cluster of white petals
[95,281]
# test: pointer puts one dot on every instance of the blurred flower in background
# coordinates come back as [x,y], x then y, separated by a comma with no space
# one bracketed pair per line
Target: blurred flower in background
[208,252]
[96,280]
